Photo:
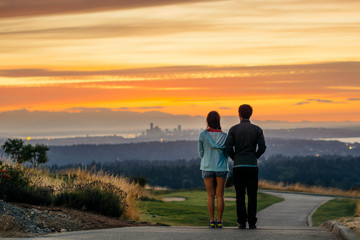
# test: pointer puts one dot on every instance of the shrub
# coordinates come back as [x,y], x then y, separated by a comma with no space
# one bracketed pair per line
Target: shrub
[94,196]
[96,192]
[16,187]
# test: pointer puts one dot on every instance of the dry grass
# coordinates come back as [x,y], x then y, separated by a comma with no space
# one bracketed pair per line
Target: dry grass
[133,191]
[306,189]
[358,209]
[41,177]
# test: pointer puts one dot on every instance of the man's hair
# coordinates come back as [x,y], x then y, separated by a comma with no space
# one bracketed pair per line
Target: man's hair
[245,111]
[213,120]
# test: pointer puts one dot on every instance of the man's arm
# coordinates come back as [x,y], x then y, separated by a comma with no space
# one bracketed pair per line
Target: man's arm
[230,145]
[261,145]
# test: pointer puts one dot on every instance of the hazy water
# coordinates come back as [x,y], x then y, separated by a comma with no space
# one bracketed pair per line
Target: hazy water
[345,140]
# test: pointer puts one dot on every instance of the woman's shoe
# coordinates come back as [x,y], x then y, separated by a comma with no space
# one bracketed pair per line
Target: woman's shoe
[212,224]
[219,224]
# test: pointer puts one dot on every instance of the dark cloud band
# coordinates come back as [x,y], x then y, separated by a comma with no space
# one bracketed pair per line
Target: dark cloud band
[11,8]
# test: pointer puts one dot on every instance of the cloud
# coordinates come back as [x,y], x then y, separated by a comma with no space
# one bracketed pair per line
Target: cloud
[354,99]
[140,108]
[301,103]
[224,108]
[321,100]
[11,8]
[347,88]
[295,69]
[308,101]
[150,87]
[84,109]
[150,27]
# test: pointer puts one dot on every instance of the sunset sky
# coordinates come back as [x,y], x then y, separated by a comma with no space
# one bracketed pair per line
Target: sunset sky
[291,60]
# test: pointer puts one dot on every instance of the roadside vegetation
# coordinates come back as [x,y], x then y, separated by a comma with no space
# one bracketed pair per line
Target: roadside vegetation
[298,187]
[290,171]
[193,211]
[336,208]
[82,189]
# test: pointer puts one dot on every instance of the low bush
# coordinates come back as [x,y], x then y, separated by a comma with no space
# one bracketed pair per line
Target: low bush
[16,187]
[79,189]
[95,196]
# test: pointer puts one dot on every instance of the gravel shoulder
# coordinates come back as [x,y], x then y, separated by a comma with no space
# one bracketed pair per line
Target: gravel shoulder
[23,220]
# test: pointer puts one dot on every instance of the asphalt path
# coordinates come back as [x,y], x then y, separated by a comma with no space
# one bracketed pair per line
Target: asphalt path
[286,220]
[294,211]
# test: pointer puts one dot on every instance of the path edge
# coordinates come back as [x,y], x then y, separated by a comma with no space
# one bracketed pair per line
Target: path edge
[309,217]
[342,231]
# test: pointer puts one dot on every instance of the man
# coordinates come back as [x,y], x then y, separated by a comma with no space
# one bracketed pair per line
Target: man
[245,144]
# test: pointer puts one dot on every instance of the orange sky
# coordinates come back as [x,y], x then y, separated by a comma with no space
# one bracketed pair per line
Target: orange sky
[290,60]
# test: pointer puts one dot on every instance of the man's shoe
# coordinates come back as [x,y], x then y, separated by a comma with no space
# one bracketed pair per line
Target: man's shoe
[242,226]
[212,224]
[252,226]
[219,224]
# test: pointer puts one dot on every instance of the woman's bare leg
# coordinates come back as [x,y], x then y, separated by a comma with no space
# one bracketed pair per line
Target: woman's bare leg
[210,189]
[220,188]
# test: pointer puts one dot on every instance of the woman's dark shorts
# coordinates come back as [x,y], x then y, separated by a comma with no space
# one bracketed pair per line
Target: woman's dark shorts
[212,174]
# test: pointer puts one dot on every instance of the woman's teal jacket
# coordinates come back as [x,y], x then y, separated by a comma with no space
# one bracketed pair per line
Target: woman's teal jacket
[212,151]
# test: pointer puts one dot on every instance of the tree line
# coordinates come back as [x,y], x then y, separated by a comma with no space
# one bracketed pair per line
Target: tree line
[22,153]
[328,171]
[172,151]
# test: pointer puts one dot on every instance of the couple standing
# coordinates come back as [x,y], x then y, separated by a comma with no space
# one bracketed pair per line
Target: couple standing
[244,144]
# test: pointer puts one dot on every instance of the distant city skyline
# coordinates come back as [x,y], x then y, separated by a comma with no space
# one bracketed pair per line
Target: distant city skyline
[102,122]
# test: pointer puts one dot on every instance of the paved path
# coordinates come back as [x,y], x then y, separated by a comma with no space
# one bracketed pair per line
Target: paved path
[286,220]
[293,211]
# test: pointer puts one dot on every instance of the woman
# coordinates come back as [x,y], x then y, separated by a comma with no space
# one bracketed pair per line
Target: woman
[214,166]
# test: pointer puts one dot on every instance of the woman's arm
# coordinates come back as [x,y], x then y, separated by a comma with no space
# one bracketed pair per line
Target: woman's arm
[200,146]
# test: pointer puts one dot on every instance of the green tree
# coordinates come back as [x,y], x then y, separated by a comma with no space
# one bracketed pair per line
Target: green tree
[35,154]
[14,147]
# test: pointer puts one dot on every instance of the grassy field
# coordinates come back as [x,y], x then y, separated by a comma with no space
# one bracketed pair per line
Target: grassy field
[333,209]
[193,211]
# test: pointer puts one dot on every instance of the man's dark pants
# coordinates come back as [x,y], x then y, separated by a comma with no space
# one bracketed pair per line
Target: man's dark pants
[246,178]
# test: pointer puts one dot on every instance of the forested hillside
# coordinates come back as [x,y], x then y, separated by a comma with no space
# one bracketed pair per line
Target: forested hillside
[187,150]
[328,171]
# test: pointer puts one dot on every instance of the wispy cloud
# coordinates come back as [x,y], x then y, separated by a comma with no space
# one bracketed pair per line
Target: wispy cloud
[85,109]
[248,71]
[140,108]
[354,99]
[308,101]
[225,108]
[150,27]
[11,8]
[301,103]
[347,88]
[89,109]
[321,100]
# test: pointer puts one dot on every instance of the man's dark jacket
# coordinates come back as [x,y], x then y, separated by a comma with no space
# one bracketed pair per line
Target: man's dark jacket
[242,141]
